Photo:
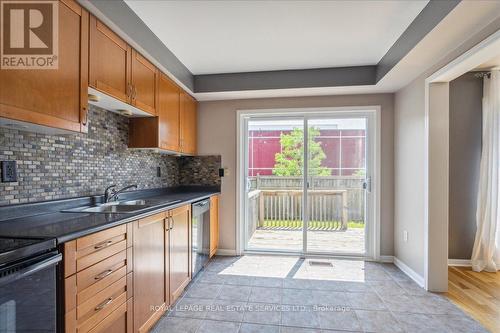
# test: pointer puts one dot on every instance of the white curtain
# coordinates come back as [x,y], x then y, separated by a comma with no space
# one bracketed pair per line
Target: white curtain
[486,252]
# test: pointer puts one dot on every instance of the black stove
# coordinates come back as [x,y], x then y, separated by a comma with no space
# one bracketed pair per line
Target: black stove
[15,249]
[28,285]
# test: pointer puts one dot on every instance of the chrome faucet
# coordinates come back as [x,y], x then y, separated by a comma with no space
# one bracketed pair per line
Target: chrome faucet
[111,194]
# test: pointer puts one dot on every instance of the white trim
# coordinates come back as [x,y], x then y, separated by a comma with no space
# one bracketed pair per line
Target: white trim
[459,262]
[226,252]
[469,60]
[410,272]
[371,112]
[386,259]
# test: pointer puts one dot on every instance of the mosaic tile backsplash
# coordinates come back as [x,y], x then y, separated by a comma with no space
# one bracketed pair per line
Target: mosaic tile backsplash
[200,170]
[64,166]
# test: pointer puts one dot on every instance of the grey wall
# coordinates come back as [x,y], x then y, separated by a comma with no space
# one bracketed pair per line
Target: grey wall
[63,166]
[217,135]
[466,93]
[410,167]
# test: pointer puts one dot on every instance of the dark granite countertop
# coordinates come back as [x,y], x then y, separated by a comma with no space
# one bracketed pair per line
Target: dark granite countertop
[45,220]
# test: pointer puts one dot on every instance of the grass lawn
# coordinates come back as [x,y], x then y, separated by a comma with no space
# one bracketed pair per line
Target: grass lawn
[286,224]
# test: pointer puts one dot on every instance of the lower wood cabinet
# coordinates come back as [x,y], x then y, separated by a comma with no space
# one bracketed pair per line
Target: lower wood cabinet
[98,282]
[180,250]
[122,279]
[149,271]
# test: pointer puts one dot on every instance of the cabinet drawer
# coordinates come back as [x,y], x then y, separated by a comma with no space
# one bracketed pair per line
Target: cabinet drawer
[89,250]
[119,321]
[94,242]
[99,276]
[101,305]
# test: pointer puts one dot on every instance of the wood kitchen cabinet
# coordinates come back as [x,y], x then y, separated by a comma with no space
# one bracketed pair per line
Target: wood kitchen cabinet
[55,98]
[143,81]
[109,62]
[188,124]
[161,131]
[149,271]
[180,250]
[214,224]
[123,279]
[98,293]
[168,114]
[120,71]
[174,128]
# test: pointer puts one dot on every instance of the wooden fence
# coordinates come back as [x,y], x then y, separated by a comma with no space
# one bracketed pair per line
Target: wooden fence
[283,197]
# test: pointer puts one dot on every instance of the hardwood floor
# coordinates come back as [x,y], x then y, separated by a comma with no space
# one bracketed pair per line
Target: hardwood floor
[477,294]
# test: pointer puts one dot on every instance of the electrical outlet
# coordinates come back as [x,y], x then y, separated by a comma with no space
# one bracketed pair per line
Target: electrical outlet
[405,236]
[9,171]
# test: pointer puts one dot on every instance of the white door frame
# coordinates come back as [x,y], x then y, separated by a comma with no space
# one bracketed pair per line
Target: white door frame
[436,170]
[373,209]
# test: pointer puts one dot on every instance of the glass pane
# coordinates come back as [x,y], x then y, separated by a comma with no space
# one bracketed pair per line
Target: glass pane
[274,185]
[336,172]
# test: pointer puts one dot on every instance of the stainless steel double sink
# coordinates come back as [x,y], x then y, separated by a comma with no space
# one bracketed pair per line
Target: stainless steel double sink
[122,207]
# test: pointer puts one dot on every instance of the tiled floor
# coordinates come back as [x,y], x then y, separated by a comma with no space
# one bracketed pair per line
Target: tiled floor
[271,294]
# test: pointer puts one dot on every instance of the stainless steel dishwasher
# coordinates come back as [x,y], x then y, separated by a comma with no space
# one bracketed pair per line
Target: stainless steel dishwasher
[200,235]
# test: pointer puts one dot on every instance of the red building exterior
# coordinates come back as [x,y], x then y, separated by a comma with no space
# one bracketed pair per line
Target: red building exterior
[344,149]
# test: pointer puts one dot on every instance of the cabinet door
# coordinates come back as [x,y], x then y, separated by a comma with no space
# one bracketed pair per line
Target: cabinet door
[214,224]
[180,250]
[144,81]
[110,56]
[149,271]
[168,114]
[188,124]
[53,97]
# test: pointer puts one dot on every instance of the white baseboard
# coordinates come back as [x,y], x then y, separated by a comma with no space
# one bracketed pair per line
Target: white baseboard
[225,252]
[388,259]
[410,272]
[460,262]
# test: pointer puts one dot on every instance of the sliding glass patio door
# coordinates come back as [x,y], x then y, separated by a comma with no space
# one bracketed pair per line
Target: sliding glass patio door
[307,183]
[336,177]
[274,185]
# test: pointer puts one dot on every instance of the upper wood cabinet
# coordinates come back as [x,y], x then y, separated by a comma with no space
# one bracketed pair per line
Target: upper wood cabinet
[143,81]
[168,114]
[188,123]
[110,62]
[174,128]
[180,250]
[149,271]
[120,71]
[214,224]
[54,98]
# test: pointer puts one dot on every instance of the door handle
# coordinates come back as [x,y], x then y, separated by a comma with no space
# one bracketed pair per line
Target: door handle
[103,244]
[367,184]
[103,274]
[104,304]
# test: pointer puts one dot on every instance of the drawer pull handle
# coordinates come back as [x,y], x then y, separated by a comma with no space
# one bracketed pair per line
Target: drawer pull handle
[103,244]
[104,304]
[103,274]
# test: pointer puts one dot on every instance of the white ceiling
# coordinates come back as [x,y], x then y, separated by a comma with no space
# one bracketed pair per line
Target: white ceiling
[445,41]
[243,36]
